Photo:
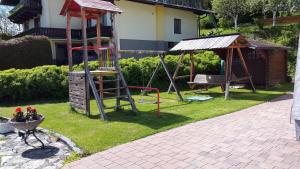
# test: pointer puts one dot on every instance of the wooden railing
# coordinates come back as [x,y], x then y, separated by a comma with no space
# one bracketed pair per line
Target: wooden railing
[28,4]
[58,33]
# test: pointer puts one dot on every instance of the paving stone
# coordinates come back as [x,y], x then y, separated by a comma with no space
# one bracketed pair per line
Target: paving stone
[254,138]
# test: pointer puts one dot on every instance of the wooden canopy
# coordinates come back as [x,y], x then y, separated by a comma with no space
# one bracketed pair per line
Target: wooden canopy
[229,42]
[94,6]
[212,42]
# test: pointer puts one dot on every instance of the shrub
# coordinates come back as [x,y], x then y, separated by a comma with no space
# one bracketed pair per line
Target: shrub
[51,82]
[25,52]
[206,23]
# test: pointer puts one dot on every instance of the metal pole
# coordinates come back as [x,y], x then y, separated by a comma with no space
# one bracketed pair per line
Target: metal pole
[296,104]
[85,59]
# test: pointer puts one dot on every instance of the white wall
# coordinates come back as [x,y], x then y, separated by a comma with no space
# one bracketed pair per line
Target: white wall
[188,24]
[137,22]
[57,21]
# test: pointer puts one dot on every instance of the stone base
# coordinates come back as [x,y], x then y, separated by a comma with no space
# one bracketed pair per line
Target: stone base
[297,124]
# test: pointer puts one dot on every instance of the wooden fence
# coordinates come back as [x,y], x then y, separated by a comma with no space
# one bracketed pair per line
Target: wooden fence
[281,20]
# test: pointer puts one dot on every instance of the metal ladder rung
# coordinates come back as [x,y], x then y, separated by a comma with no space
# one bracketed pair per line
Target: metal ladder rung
[104,81]
[110,89]
[113,107]
[114,97]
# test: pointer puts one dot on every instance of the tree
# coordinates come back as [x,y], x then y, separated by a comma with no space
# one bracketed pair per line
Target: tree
[6,26]
[258,6]
[276,6]
[230,8]
[294,5]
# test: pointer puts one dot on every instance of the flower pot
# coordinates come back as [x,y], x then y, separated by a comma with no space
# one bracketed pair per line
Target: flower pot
[28,125]
[5,126]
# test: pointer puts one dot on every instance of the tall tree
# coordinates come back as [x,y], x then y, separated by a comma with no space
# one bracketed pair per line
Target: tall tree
[258,5]
[6,26]
[230,8]
[276,6]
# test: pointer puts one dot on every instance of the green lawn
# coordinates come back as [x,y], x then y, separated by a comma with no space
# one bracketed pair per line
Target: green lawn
[94,135]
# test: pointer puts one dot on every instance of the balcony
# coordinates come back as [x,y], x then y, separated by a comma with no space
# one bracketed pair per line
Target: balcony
[57,33]
[25,9]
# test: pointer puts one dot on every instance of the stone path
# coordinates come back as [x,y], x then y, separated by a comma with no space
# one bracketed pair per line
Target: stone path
[257,137]
[15,154]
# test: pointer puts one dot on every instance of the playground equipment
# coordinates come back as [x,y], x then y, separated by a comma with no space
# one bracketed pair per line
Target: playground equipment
[80,82]
[220,44]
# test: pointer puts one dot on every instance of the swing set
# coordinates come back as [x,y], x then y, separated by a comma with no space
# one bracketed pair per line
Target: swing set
[228,43]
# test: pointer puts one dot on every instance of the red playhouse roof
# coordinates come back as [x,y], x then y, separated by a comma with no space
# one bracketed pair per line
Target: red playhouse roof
[93,6]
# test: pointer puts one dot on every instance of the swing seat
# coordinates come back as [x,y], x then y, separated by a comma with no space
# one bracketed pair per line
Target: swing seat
[202,79]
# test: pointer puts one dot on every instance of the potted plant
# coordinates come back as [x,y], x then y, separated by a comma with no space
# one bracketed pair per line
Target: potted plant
[28,121]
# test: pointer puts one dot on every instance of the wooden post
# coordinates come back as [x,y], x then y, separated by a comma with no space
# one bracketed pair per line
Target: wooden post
[192,68]
[246,68]
[228,72]
[69,42]
[161,57]
[100,60]
[85,59]
[115,42]
[153,75]
[176,70]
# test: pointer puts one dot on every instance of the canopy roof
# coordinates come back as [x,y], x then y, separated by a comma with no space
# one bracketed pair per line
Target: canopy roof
[223,42]
[265,45]
[210,42]
[94,6]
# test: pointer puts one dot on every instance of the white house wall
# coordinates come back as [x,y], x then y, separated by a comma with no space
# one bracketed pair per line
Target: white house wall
[188,24]
[57,21]
[137,22]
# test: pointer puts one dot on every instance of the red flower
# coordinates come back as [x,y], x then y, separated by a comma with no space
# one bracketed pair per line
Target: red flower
[28,108]
[33,110]
[18,109]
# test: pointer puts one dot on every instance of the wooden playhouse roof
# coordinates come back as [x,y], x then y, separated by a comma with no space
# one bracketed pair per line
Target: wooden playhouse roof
[211,42]
[93,6]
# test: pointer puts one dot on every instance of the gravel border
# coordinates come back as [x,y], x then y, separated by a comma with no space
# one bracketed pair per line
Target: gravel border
[63,139]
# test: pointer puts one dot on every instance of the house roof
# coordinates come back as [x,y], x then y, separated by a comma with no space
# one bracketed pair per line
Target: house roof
[264,45]
[194,6]
[9,2]
[209,42]
[92,5]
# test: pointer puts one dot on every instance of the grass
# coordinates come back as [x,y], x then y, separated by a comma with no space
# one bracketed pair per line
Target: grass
[93,135]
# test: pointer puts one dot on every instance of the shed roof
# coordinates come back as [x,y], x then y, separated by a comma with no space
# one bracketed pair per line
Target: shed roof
[208,43]
[94,5]
[265,45]
[222,42]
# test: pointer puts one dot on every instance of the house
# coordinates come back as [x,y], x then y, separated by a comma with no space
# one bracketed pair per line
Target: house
[144,25]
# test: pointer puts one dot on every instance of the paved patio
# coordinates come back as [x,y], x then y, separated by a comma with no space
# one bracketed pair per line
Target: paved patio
[257,137]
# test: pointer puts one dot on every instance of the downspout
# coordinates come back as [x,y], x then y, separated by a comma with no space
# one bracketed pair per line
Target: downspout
[198,26]
[296,103]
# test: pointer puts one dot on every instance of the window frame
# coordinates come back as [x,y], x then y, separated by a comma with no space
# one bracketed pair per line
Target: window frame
[177,26]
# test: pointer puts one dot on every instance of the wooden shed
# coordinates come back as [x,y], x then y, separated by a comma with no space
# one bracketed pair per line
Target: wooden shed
[267,63]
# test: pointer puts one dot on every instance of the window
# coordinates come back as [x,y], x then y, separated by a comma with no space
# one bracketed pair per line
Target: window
[26,25]
[177,26]
[37,22]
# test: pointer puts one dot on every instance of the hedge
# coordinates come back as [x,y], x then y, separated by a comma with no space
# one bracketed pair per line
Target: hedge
[25,52]
[51,82]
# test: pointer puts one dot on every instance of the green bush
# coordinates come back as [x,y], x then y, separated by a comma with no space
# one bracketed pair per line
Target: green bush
[225,23]
[206,23]
[51,82]
[25,52]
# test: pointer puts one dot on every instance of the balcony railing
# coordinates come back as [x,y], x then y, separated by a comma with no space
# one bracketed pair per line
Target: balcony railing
[57,33]
[24,10]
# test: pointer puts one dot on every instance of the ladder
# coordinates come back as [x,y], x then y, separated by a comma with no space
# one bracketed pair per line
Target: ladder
[121,89]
